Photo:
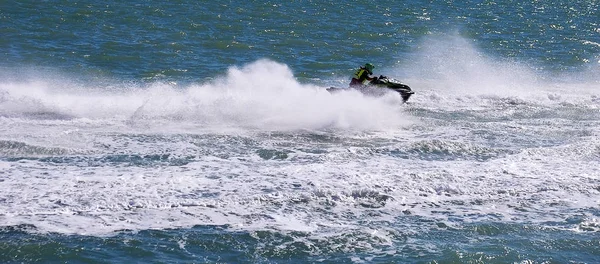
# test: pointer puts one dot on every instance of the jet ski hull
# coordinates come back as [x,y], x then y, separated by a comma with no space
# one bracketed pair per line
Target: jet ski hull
[380,87]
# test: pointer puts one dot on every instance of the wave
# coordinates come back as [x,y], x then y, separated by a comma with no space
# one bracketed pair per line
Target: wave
[450,150]
[138,160]
[10,148]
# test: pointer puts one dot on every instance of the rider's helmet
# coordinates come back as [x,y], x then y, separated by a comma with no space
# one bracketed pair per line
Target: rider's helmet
[369,68]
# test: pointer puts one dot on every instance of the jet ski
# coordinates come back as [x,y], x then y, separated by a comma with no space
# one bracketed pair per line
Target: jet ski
[380,86]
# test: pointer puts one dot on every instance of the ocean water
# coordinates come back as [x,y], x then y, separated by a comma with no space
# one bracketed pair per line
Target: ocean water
[201,132]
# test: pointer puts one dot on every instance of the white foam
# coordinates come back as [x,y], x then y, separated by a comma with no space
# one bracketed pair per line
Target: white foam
[376,168]
[250,193]
[261,95]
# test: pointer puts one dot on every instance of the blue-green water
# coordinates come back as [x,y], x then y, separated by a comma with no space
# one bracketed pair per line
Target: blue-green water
[201,132]
[482,243]
[196,40]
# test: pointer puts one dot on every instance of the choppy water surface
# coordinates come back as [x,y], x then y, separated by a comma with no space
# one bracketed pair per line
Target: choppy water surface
[195,132]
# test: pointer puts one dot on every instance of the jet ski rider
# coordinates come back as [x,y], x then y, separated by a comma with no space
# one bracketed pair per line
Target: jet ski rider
[362,74]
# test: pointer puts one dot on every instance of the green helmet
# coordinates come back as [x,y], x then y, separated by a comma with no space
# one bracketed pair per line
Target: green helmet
[369,67]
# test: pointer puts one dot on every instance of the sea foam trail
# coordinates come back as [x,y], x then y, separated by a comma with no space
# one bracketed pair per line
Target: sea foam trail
[260,95]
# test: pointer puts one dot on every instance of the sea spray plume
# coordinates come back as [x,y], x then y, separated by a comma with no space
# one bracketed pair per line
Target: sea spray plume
[264,94]
[451,71]
[454,63]
[54,99]
[29,100]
